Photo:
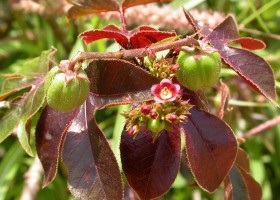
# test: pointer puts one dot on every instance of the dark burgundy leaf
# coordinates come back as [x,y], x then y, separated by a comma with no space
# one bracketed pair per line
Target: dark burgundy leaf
[50,133]
[116,81]
[138,38]
[151,166]
[250,43]
[92,166]
[211,148]
[130,3]
[85,7]
[242,186]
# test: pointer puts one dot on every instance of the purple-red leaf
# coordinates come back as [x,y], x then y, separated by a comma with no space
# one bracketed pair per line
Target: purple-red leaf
[254,69]
[85,7]
[116,81]
[138,38]
[211,148]
[92,167]
[241,185]
[50,133]
[151,166]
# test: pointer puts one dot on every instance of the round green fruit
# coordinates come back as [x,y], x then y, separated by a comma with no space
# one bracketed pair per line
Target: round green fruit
[156,125]
[198,71]
[66,90]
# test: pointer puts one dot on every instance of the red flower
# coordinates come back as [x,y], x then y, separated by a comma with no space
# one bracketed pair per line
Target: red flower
[165,91]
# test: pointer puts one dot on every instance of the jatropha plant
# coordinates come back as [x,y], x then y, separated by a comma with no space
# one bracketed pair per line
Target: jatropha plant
[165,92]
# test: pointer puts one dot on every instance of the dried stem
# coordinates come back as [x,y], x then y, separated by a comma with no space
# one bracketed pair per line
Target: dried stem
[132,53]
[264,126]
[32,181]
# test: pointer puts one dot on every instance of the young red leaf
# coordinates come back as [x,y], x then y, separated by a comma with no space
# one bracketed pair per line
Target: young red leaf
[116,81]
[138,38]
[150,166]
[92,166]
[250,43]
[211,148]
[110,32]
[85,7]
[241,185]
[50,133]
[254,69]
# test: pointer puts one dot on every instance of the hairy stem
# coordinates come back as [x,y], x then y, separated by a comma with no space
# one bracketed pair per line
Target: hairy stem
[132,53]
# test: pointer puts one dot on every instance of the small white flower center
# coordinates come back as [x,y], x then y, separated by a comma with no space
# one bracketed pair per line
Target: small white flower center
[165,93]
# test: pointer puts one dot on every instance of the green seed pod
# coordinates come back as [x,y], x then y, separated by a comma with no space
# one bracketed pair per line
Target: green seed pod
[198,71]
[156,125]
[66,90]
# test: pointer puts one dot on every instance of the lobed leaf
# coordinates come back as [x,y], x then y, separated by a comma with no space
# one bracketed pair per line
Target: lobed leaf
[92,166]
[141,37]
[116,81]
[211,148]
[149,165]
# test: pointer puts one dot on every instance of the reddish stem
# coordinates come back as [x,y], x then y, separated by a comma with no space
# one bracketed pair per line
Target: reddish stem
[262,127]
[123,19]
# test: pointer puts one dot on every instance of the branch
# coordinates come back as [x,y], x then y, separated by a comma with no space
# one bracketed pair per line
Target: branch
[266,125]
[132,53]
[32,181]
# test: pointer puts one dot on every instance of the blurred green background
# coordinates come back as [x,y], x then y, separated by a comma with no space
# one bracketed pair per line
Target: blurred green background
[29,27]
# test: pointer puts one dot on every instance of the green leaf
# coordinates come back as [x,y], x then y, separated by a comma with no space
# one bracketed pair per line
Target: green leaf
[26,73]
[10,120]
[33,103]
[23,108]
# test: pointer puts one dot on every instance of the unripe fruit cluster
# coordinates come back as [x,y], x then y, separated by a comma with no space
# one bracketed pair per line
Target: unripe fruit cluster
[157,117]
[66,89]
[198,71]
